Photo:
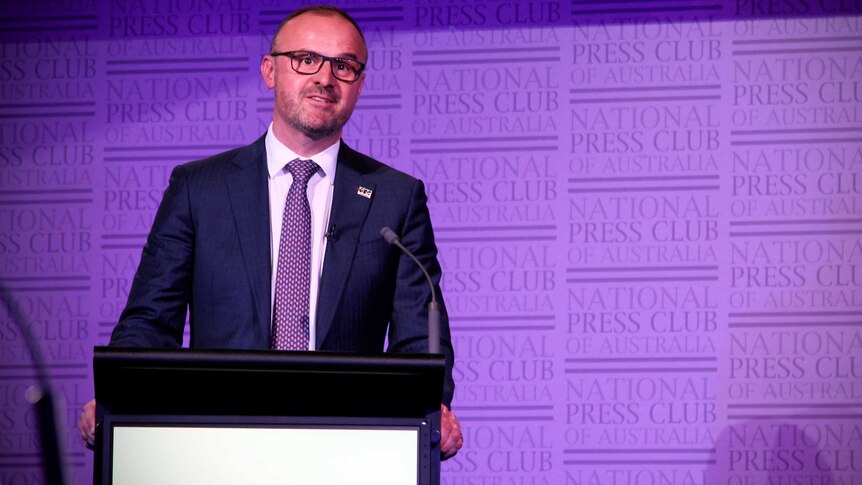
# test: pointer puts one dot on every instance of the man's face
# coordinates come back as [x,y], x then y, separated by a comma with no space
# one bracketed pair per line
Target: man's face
[316,105]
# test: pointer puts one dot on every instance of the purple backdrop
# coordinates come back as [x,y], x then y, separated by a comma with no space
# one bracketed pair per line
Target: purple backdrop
[649,214]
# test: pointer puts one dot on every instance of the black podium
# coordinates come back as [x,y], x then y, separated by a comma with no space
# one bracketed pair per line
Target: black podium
[232,417]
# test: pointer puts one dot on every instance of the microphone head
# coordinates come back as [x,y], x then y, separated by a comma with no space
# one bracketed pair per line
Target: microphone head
[389,235]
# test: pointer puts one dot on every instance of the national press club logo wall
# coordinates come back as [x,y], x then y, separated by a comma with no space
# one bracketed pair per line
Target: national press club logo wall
[648,214]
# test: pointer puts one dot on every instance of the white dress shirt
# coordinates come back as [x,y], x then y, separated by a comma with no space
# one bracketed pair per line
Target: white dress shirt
[319,199]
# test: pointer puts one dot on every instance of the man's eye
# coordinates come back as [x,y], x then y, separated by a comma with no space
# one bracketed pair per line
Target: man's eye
[307,59]
[341,66]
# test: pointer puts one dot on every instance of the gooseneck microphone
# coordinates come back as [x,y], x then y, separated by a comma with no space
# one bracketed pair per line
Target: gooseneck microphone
[330,233]
[433,307]
[41,396]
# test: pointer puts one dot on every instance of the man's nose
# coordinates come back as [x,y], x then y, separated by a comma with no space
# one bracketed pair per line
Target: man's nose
[324,75]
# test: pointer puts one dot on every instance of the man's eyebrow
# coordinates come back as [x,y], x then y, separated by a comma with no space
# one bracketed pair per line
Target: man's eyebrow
[345,55]
[348,56]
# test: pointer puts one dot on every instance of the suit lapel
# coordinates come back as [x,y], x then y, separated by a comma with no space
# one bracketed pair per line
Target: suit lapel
[349,210]
[249,199]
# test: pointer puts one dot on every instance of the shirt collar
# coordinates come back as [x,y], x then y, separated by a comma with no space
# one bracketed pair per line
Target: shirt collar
[278,156]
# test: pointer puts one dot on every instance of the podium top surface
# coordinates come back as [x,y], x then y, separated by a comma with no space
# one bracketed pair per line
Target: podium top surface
[272,383]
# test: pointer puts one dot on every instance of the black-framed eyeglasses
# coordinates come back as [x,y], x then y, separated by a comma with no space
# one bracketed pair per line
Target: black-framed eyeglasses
[308,63]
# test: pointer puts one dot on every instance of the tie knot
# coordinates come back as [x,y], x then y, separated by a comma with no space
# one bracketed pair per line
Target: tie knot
[302,170]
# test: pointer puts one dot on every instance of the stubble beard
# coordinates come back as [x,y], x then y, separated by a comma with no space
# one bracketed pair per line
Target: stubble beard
[317,126]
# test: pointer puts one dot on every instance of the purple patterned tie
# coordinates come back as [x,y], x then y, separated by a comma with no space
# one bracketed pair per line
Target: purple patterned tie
[293,280]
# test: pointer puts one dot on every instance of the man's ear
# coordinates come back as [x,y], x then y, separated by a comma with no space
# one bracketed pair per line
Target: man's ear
[267,71]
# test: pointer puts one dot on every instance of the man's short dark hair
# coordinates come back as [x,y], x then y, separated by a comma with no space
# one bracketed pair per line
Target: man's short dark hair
[321,10]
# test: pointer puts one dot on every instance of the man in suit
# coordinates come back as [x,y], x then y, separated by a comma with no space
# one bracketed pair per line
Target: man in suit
[277,244]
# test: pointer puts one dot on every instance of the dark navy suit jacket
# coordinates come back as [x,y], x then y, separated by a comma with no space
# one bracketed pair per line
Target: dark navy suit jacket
[209,249]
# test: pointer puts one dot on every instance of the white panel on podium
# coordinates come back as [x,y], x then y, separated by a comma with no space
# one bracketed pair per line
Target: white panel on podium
[144,455]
